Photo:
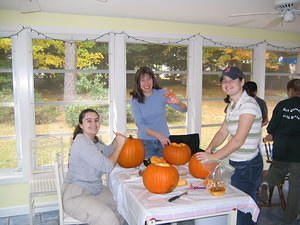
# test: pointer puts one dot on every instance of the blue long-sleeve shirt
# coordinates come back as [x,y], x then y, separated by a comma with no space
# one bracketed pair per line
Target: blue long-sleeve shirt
[152,114]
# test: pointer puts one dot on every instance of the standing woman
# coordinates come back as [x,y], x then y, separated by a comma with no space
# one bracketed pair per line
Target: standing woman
[84,196]
[148,105]
[243,126]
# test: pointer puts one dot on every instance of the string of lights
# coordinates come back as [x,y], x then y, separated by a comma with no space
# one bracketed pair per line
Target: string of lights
[221,44]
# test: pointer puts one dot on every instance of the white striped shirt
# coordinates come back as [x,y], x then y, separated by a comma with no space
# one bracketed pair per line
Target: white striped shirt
[248,105]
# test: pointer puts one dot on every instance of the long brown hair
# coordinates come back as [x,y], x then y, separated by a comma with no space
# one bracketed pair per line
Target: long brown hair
[137,91]
[78,129]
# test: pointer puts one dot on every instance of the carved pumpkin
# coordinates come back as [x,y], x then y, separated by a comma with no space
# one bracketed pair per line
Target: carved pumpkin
[156,159]
[160,178]
[132,153]
[177,154]
[197,169]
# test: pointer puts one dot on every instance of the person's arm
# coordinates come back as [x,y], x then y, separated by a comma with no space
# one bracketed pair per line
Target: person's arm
[218,139]
[118,143]
[162,138]
[245,122]
[265,120]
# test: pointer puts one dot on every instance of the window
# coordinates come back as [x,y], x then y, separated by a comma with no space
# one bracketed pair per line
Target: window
[280,68]
[69,77]
[9,157]
[169,63]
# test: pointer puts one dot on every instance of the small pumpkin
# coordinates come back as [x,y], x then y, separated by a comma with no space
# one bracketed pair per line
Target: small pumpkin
[160,178]
[196,168]
[132,153]
[177,153]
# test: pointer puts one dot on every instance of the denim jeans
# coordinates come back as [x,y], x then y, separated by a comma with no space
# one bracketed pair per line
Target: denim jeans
[153,148]
[247,177]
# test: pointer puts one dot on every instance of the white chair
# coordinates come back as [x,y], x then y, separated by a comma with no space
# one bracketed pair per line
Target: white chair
[59,177]
[43,155]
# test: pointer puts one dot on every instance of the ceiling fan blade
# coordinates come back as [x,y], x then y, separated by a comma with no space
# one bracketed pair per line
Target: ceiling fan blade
[253,14]
[275,22]
[29,6]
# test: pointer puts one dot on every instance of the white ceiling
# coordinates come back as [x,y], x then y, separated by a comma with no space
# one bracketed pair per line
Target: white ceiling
[210,12]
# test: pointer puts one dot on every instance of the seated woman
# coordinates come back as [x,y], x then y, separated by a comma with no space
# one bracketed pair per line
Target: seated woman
[84,196]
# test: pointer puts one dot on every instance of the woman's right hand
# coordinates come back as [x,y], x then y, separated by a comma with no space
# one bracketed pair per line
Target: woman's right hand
[164,140]
[120,139]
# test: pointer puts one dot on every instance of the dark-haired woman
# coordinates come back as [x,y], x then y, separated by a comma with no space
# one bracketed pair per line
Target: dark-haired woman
[242,128]
[148,105]
[84,196]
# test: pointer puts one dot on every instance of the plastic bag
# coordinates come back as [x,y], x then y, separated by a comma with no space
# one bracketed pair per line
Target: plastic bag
[219,175]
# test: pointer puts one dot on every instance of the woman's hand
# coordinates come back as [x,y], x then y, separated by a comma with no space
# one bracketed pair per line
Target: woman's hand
[204,155]
[173,98]
[120,139]
[268,137]
[164,140]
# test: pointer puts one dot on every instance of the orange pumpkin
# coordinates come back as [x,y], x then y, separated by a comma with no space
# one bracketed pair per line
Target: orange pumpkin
[196,168]
[155,159]
[132,153]
[177,154]
[160,178]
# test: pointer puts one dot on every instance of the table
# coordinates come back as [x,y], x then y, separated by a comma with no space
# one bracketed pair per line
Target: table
[137,205]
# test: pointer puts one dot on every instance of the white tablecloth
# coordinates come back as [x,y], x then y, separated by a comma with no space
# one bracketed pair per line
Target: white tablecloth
[137,205]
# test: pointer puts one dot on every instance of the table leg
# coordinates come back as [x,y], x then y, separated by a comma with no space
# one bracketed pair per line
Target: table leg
[232,217]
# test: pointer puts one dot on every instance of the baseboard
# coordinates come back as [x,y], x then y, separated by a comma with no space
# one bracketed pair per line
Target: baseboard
[21,210]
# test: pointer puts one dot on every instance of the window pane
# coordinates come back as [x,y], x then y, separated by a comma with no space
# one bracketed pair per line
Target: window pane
[281,67]
[6,88]
[7,121]
[87,86]
[169,63]
[5,53]
[9,156]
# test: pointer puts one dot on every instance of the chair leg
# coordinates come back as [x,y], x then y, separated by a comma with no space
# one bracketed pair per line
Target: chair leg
[271,190]
[281,195]
[31,209]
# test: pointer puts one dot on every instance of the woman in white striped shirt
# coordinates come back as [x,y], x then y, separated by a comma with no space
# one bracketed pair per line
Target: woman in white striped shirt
[242,126]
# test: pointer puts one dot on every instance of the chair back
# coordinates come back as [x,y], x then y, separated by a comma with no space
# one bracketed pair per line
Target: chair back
[268,149]
[58,169]
[43,153]
[192,140]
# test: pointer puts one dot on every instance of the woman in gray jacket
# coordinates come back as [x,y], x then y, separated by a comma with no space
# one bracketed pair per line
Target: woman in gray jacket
[84,196]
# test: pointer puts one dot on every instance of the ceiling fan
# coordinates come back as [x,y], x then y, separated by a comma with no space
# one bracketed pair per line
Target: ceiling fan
[286,11]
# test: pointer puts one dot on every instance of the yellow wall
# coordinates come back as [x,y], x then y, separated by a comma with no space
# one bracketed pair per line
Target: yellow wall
[63,20]
[13,194]
[17,194]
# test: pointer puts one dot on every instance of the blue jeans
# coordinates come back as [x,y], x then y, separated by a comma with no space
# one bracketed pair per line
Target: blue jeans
[247,177]
[152,148]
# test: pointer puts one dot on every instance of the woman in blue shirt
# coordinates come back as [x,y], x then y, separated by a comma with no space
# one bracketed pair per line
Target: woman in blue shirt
[148,105]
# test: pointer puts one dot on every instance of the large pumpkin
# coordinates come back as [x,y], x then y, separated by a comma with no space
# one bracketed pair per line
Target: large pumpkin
[177,154]
[196,168]
[132,153]
[160,178]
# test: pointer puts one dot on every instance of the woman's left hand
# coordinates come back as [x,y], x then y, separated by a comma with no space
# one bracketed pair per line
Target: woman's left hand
[173,98]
